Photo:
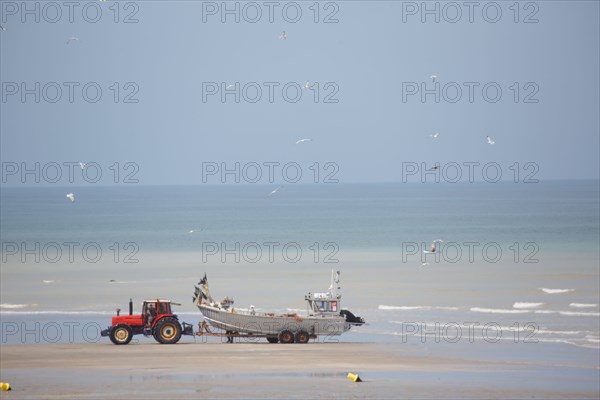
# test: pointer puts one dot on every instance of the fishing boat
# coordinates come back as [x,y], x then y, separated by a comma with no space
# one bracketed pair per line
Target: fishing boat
[324,316]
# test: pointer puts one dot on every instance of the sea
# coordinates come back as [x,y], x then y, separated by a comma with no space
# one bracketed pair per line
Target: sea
[515,271]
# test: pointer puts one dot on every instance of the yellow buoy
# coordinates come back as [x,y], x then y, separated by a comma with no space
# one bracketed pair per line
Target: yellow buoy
[5,386]
[354,377]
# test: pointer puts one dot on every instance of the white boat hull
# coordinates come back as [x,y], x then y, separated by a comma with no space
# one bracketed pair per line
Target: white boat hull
[272,325]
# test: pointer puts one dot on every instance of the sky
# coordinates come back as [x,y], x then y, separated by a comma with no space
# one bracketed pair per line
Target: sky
[139,95]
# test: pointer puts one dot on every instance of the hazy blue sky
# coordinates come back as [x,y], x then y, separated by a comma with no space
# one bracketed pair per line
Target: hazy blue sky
[368,61]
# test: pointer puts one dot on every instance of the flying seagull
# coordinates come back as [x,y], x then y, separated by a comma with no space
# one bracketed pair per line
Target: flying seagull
[72,39]
[3,29]
[283,36]
[436,166]
[82,164]
[71,197]
[229,86]
[274,191]
[303,140]
[490,140]
[424,265]
[433,78]
[307,85]
[435,135]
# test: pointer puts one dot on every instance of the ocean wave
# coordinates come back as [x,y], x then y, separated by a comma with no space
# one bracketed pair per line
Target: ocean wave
[582,305]
[578,342]
[580,313]
[556,291]
[498,310]
[56,312]
[543,340]
[527,305]
[406,308]
[572,342]
[592,339]
[534,330]
[527,328]
[12,306]
[547,332]
[568,313]
[423,323]
[526,334]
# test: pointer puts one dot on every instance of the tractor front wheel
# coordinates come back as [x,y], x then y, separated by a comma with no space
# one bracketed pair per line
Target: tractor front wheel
[167,331]
[120,334]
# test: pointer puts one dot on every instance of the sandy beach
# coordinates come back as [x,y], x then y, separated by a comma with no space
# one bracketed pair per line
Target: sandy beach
[262,370]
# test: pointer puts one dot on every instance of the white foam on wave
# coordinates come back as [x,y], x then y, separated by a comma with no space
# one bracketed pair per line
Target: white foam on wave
[582,305]
[556,291]
[12,306]
[592,339]
[498,310]
[527,305]
[548,332]
[568,313]
[406,308]
[580,313]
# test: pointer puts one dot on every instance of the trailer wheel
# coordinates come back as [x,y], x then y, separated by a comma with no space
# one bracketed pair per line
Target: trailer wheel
[302,337]
[272,339]
[120,334]
[167,331]
[286,336]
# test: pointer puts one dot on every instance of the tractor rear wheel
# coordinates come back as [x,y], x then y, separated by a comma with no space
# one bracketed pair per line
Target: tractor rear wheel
[120,334]
[167,331]
[286,337]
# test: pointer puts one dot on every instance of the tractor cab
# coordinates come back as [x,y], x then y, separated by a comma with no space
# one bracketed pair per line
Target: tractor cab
[156,307]
[153,310]
[159,306]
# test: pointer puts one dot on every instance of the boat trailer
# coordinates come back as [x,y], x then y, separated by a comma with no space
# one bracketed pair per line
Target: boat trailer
[204,330]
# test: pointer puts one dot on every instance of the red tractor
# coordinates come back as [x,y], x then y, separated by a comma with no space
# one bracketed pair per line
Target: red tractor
[156,320]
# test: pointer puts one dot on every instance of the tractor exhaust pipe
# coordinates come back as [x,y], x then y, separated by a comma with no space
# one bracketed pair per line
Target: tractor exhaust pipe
[130,307]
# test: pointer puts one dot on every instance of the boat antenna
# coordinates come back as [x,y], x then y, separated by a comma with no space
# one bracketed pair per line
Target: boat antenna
[335,280]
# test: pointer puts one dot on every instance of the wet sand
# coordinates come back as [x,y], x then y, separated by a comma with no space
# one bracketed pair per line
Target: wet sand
[262,370]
